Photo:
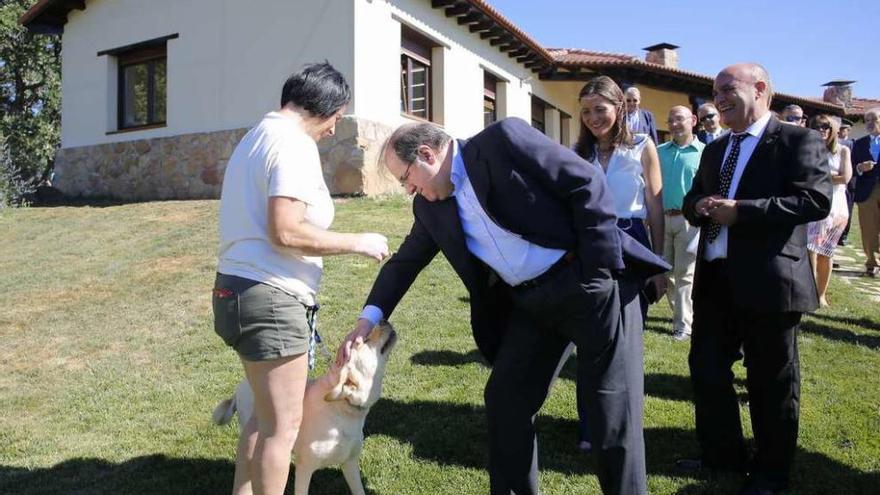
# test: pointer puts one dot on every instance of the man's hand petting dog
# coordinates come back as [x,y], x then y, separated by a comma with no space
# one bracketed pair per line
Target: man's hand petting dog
[361,329]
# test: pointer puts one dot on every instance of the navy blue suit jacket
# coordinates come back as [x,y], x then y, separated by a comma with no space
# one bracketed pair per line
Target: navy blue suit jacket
[528,185]
[647,125]
[861,151]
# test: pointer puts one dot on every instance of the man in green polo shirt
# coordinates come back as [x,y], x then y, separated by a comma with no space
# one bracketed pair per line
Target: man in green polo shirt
[679,160]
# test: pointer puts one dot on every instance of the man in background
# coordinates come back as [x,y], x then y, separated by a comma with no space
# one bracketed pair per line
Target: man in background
[639,120]
[679,160]
[708,117]
[794,114]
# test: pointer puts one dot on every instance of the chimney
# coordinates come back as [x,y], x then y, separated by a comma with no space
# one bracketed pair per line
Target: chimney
[662,54]
[838,93]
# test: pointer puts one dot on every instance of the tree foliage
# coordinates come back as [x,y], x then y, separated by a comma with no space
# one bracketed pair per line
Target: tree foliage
[30,92]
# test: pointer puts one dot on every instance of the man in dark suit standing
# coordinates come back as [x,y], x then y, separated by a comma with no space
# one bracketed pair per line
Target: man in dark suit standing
[865,155]
[754,191]
[708,116]
[639,120]
[530,229]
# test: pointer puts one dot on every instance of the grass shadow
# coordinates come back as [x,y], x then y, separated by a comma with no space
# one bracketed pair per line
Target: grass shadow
[456,435]
[812,326]
[864,323]
[658,324]
[448,358]
[140,475]
[145,475]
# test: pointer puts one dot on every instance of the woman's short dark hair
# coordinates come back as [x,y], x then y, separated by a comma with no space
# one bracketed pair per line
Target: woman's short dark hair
[605,87]
[318,89]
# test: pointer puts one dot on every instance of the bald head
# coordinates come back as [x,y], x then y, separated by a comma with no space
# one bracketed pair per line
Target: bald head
[742,94]
[681,122]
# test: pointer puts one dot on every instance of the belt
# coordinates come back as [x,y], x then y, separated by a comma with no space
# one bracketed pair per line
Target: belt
[673,212]
[555,268]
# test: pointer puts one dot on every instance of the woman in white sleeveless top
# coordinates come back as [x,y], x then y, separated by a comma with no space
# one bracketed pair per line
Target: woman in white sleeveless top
[632,170]
[822,236]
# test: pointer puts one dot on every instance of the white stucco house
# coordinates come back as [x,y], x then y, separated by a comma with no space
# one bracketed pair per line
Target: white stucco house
[155,94]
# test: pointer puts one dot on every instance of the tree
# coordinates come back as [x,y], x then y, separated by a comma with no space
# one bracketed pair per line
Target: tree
[30,92]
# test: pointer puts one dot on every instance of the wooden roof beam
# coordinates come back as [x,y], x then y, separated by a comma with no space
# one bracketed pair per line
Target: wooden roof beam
[471,18]
[493,32]
[458,10]
[504,39]
[482,26]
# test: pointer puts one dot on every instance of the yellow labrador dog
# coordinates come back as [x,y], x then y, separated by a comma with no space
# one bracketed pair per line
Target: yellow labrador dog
[334,410]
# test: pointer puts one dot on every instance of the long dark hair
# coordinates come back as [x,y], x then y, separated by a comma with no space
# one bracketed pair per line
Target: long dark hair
[605,87]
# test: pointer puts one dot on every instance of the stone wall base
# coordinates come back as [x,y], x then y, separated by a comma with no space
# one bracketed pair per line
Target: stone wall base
[191,166]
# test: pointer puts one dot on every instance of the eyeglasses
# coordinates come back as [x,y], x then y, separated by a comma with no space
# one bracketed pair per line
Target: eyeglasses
[795,118]
[822,127]
[632,100]
[405,177]
[708,116]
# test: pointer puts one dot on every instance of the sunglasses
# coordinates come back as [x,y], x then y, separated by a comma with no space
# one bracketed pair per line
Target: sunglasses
[794,118]
[822,127]
[630,100]
[708,116]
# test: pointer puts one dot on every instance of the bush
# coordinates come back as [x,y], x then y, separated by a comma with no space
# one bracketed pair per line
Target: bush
[14,189]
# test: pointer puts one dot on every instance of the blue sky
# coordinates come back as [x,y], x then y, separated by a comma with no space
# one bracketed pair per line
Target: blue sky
[803,44]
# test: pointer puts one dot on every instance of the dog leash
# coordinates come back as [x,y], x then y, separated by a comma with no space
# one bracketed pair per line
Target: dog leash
[315,340]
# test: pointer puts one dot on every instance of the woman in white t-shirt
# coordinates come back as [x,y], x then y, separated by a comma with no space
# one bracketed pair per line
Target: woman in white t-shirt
[275,210]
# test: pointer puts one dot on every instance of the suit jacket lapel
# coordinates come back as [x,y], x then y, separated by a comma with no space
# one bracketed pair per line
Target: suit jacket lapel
[717,161]
[762,156]
[443,217]
[478,173]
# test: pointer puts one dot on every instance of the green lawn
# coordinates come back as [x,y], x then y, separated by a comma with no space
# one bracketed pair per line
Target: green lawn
[109,369]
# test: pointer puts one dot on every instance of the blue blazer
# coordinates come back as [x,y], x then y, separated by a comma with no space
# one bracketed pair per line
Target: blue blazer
[647,125]
[861,151]
[528,185]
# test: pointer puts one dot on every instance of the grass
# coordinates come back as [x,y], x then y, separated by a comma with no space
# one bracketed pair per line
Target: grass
[110,369]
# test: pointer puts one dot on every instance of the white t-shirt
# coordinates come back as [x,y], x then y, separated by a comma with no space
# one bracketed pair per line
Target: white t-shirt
[276,158]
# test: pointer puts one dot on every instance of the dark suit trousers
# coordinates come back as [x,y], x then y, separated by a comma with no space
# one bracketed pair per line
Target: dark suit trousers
[603,318]
[769,343]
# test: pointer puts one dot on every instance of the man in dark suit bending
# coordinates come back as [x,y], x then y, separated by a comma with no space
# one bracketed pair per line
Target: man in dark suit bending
[530,229]
[754,192]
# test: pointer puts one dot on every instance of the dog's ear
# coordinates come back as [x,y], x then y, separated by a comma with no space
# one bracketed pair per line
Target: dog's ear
[338,375]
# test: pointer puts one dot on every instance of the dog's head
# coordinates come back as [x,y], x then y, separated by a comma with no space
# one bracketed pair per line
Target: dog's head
[359,381]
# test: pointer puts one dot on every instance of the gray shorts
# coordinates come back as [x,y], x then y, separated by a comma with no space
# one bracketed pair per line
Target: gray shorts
[259,321]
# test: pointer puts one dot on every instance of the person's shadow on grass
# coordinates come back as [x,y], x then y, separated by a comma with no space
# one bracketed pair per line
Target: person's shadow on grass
[455,435]
[146,475]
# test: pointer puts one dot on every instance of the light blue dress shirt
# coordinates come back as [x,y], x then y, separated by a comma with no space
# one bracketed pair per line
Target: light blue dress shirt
[513,258]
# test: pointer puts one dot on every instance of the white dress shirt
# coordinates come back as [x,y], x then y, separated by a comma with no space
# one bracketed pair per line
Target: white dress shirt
[718,248]
[513,258]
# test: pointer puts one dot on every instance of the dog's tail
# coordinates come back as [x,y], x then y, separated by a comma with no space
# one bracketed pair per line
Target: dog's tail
[224,411]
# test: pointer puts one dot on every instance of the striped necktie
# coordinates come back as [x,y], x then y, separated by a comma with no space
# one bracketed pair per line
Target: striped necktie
[726,178]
